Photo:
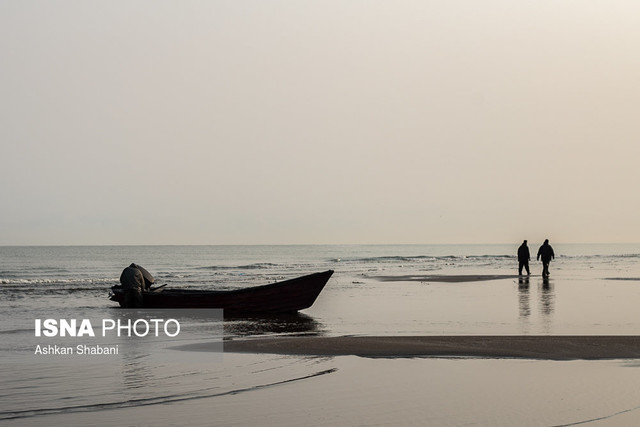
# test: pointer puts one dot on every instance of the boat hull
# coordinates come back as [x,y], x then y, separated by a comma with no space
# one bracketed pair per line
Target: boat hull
[281,297]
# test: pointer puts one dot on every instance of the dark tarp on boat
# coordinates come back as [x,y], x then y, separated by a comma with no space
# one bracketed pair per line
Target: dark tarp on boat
[148,278]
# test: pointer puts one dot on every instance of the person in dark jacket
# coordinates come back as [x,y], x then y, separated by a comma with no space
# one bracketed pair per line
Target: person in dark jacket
[546,253]
[523,258]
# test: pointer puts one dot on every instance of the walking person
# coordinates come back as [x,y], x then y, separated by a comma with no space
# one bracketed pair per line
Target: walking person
[523,258]
[546,253]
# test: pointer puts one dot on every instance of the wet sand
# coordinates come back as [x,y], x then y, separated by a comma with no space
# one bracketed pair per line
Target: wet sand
[528,347]
[541,347]
[447,278]
[250,389]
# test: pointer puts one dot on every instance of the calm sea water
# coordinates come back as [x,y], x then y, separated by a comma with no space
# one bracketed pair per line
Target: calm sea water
[594,289]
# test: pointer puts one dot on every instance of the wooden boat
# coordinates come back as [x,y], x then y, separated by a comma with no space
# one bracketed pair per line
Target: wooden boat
[287,296]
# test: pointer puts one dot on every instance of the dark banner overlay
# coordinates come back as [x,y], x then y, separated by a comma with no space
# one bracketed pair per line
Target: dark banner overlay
[160,333]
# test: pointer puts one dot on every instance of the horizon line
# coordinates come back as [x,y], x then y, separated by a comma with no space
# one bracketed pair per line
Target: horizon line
[304,244]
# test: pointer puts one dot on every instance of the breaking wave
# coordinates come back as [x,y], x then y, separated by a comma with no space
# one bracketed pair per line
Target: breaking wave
[256,266]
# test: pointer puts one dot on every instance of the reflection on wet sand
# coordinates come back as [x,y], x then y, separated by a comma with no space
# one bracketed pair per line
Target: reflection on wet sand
[524,304]
[546,297]
[546,303]
[289,324]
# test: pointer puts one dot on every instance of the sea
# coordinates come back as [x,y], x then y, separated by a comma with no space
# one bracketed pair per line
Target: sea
[593,289]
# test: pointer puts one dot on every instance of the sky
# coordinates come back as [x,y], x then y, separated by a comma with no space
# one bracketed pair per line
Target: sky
[319,122]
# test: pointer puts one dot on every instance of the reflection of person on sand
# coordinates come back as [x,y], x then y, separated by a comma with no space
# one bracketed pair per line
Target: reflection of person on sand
[134,280]
[523,258]
[546,253]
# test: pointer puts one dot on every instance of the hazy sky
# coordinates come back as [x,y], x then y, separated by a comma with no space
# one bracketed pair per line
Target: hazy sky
[269,122]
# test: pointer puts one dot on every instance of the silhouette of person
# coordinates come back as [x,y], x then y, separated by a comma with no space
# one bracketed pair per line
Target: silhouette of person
[546,253]
[523,258]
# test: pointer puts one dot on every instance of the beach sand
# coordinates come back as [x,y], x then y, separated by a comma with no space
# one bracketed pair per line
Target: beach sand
[259,389]
[528,347]
[534,346]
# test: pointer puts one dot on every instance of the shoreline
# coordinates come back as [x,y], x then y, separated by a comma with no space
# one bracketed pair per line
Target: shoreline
[559,347]
[450,278]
